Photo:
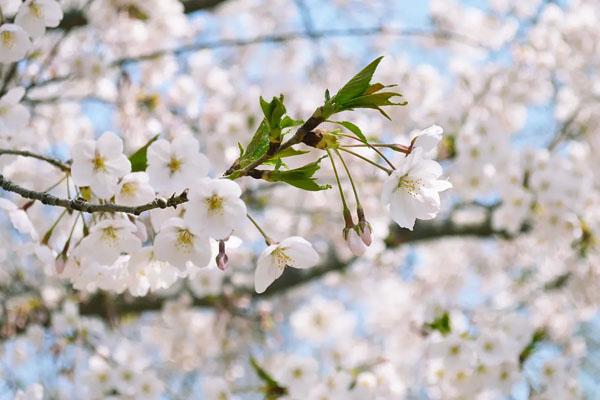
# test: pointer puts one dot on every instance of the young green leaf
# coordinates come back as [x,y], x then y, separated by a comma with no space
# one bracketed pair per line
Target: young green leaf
[301,178]
[352,128]
[440,324]
[357,85]
[139,158]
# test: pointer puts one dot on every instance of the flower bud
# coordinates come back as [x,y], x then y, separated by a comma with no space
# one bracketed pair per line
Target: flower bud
[366,233]
[222,257]
[354,242]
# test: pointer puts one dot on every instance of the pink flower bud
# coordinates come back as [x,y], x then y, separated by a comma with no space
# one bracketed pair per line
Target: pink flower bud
[366,235]
[354,243]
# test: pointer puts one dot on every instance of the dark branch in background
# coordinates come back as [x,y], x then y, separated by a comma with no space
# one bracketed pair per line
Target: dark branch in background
[294,278]
[275,38]
[77,18]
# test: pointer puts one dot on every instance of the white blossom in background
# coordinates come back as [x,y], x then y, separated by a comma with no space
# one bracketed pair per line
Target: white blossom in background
[35,15]
[19,218]
[148,274]
[293,252]
[178,244]
[99,164]
[13,115]
[215,208]
[14,43]
[412,191]
[175,166]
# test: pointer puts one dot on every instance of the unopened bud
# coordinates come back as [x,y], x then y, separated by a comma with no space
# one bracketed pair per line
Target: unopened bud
[366,233]
[222,257]
[354,242]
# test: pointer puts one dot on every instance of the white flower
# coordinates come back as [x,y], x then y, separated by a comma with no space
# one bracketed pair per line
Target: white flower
[147,273]
[411,191]
[293,252]
[14,43]
[99,164]
[427,140]
[174,166]
[215,207]
[134,190]
[13,116]
[35,15]
[19,218]
[108,239]
[178,245]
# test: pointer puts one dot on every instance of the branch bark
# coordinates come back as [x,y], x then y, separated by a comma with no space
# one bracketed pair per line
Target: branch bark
[294,278]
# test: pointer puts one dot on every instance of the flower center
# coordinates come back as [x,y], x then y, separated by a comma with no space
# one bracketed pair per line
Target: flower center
[128,189]
[109,234]
[99,163]
[185,239]
[282,260]
[174,165]
[411,185]
[8,39]
[35,10]
[214,204]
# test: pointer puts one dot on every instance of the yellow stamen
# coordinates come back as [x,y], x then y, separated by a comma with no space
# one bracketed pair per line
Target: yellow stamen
[214,204]
[8,38]
[99,163]
[174,165]
[282,260]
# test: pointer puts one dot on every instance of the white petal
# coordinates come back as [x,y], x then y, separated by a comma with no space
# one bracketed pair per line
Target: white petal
[265,273]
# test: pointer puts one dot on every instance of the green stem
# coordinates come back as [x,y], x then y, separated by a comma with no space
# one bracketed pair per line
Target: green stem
[349,177]
[372,148]
[268,240]
[337,179]
[388,171]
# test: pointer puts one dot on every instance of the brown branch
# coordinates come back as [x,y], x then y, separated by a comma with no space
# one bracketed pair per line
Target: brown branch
[87,207]
[294,278]
[57,163]
[276,38]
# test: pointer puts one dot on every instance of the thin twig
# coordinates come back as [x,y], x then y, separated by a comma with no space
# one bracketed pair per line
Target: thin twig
[58,164]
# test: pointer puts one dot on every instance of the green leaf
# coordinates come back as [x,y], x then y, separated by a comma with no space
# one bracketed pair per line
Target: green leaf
[352,128]
[440,324]
[375,101]
[538,336]
[139,159]
[301,178]
[357,85]
[258,146]
[272,389]
[288,122]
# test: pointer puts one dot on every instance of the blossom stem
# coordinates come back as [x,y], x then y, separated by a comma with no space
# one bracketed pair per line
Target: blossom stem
[388,171]
[396,147]
[337,179]
[268,240]
[372,148]
[349,177]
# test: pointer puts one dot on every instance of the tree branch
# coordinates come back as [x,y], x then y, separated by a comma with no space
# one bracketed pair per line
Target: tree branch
[58,164]
[277,38]
[85,206]
[294,278]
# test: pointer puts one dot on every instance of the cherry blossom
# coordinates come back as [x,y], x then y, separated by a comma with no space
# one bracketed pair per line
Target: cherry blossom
[293,252]
[177,244]
[99,164]
[108,239]
[411,191]
[175,166]
[215,208]
[13,115]
[35,15]
[14,43]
